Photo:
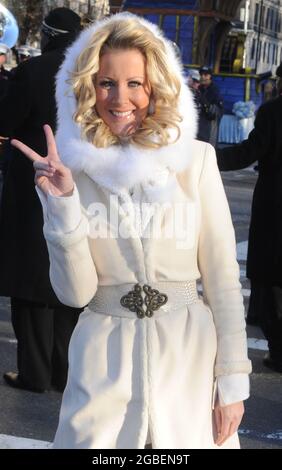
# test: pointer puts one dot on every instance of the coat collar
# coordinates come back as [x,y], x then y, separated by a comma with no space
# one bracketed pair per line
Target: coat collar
[120,167]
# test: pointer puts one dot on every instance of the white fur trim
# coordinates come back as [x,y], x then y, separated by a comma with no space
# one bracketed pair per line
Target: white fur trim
[120,167]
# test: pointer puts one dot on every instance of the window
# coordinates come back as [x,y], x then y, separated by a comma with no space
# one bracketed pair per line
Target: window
[273,54]
[272,19]
[262,16]
[264,51]
[275,21]
[268,52]
[253,50]
[267,18]
[256,18]
[259,50]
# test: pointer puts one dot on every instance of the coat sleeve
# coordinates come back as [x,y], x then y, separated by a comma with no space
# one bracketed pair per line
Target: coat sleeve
[254,148]
[220,271]
[233,388]
[72,271]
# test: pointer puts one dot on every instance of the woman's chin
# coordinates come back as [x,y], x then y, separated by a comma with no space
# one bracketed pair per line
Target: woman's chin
[125,132]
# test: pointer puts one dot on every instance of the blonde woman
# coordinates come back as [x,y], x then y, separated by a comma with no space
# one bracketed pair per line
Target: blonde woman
[135,213]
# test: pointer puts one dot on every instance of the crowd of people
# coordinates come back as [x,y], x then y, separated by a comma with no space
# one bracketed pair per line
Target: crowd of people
[106,315]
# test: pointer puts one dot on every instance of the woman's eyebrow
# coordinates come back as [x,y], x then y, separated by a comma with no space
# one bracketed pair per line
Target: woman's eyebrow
[104,77]
[132,78]
[109,78]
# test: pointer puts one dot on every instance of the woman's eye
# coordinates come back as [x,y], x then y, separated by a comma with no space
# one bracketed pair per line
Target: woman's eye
[106,84]
[134,84]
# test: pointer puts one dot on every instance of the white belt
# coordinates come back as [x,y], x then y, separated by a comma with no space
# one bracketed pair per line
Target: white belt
[131,300]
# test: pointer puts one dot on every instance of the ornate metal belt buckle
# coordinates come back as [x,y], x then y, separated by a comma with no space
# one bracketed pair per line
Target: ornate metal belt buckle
[143,305]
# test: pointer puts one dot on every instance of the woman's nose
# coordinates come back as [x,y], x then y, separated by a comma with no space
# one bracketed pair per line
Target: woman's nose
[120,95]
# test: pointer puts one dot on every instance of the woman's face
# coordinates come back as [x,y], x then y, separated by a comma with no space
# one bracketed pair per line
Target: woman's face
[122,90]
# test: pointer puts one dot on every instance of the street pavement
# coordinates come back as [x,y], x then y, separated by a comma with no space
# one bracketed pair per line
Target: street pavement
[29,420]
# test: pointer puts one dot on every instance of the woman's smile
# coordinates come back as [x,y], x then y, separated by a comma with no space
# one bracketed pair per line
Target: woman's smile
[122,114]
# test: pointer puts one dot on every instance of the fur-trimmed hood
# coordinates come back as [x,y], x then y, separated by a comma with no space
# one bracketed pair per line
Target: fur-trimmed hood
[120,167]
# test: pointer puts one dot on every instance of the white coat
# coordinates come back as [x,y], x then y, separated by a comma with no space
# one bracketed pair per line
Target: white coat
[129,375]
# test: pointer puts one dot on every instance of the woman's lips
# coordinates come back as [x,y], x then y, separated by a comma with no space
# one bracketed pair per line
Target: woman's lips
[121,114]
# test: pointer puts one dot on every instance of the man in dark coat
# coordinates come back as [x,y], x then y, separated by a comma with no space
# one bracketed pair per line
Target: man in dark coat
[264,261]
[42,325]
[211,108]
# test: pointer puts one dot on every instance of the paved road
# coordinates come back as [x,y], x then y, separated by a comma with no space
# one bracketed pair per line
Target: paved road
[35,416]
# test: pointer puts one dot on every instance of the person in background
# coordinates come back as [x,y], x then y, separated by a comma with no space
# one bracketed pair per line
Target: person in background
[23,53]
[149,359]
[193,81]
[264,260]
[42,324]
[269,91]
[211,108]
[279,71]
[4,77]
[4,74]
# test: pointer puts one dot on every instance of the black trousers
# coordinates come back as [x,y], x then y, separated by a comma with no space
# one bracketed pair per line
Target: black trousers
[43,335]
[266,308]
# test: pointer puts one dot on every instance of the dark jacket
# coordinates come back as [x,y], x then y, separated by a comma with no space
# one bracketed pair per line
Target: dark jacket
[4,78]
[264,145]
[4,74]
[28,104]
[211,105]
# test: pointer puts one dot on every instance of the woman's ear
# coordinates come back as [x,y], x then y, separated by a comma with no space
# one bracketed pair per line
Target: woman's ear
[151,108]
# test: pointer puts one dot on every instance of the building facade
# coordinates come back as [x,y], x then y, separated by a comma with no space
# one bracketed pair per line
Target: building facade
[256,38]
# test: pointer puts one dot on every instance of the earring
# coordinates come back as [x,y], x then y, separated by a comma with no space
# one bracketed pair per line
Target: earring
[151,108]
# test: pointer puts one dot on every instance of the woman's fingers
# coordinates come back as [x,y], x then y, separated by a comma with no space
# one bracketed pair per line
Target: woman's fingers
[42,183]
[217,418]
[51,144]
[227,431]
[230,417]
[234,426]
[31,154]
[61,169]
[50,173]
[52,167]
[224,431]
[42,165]
[46,173]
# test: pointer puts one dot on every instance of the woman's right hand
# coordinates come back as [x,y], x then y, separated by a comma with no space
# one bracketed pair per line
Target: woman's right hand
[51,176]
[227,420]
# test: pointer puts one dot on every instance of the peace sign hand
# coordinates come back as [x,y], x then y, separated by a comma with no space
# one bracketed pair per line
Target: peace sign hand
[51,176]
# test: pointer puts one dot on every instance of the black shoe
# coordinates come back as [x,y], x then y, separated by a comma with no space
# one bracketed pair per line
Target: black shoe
[13,380]
[271,364]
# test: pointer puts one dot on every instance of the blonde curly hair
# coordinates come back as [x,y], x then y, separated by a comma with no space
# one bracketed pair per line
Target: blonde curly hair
[126,34]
